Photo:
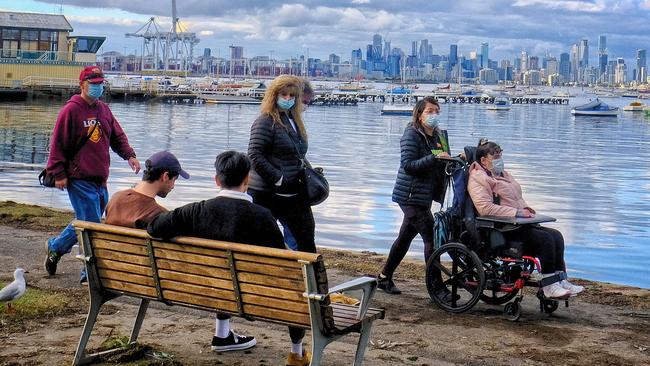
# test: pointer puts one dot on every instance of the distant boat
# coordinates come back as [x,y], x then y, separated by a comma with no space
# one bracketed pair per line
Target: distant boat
[399,90]
[397,110]
[634,107]
[500,104]
[595,108]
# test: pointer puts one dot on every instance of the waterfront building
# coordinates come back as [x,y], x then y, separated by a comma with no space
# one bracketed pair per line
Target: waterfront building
[641,69]
[40,45]
[532,77]
[453,55]
[565,67]
[621,71]
[488,76]
[552,66]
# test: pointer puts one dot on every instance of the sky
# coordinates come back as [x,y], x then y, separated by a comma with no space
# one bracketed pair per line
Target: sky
[317,27]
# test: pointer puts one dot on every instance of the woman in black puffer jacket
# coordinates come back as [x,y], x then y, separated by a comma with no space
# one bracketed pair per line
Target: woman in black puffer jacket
[420,181]
[278,142]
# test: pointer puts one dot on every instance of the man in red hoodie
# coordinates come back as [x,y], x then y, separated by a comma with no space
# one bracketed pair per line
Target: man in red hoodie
[86,128]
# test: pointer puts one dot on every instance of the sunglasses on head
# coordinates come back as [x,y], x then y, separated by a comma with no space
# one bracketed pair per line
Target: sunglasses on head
[94,76]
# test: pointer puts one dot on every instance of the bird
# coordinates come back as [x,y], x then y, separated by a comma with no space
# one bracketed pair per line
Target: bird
[14,290]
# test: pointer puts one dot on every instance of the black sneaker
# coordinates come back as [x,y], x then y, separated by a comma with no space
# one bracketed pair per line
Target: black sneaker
[388,285]
[51,260]
[233,342]
[444,295]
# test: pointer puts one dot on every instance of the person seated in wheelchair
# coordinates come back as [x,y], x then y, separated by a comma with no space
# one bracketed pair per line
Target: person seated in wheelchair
[496,193]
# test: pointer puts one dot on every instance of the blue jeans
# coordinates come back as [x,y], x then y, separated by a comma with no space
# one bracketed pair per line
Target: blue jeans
[89,201]
[289,240]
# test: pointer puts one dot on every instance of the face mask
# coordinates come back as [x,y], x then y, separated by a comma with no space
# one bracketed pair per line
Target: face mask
[95,90]
[286,104]
[431,121]
[497,166]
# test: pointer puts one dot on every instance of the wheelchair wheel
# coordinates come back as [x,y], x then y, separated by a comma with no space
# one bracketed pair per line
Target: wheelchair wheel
[495,297]
[512,311]
[494,278]
[463,278]
[549,306]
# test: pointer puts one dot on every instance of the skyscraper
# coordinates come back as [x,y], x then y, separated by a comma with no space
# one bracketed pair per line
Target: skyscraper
[484,55]
[584,53]
[602,57]
[565,66]
[376,47]
[453,55]
[641,69]
[414,48]
[423,55]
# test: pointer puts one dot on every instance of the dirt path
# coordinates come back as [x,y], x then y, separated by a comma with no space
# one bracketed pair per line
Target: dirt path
[609,325]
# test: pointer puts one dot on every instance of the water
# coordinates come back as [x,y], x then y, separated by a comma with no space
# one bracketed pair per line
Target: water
[592,174]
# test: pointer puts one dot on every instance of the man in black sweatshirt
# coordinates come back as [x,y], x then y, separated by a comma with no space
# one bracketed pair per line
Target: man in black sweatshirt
[230,216]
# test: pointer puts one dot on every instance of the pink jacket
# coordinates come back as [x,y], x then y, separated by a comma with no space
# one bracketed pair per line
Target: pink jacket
[483,187]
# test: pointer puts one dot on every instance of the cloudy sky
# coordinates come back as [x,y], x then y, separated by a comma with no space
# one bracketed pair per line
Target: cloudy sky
[322,27]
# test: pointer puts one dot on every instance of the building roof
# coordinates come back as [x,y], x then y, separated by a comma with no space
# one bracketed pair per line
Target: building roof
[10,19]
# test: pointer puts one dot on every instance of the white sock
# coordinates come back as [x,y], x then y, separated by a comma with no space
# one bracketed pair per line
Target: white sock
[297,348]
[222,328]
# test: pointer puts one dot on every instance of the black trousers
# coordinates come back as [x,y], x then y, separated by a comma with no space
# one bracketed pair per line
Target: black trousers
[542,242]
[417,220]
[296,214]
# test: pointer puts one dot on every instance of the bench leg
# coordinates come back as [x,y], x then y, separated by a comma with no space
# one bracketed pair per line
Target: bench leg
[318,344]
[144,304]
[96,302]
[363,342]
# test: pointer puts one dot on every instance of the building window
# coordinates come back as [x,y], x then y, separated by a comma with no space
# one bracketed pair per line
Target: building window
[48,41]
[10,42]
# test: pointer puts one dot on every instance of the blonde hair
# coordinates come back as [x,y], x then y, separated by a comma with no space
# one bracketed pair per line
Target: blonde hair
[293,85]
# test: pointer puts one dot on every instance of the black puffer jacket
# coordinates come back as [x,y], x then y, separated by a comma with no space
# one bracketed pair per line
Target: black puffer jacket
[421,177]
[273,154]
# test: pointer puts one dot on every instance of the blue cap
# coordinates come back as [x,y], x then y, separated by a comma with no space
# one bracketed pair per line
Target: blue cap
[165,160]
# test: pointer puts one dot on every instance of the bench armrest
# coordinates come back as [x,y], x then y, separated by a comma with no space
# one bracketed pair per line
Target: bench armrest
[367,284]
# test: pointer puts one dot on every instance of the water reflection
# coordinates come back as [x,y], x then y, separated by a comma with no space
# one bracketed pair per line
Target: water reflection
[592,174]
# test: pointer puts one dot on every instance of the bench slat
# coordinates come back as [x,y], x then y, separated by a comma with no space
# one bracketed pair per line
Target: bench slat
[157,244]
[197,290]
[121,257]
[271,292]
[300,307]
[268,270]
[126,277]
[276,314]
[194,279]
[120,247]
[129,287]
[116,237]
[124,267]
[278,262]
[196,269]
[207,302]
[191,258]
[258,279]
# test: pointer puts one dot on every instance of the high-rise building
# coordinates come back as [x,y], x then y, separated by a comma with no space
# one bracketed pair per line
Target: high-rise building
[484,55]
[565,66]
[533,63]
[641,69]
[386,50]
[584,53]
[369,53]
[236,52]
[206,52]
[414,48]
[621,71]
[453,55]
[602,56]
[376,47]
[575,62]
[524,61]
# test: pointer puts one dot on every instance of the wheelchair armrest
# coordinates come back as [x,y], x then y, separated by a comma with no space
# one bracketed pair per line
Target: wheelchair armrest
[367,284]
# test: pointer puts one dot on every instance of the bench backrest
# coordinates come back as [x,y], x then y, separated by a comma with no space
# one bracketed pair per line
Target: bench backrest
[244,280]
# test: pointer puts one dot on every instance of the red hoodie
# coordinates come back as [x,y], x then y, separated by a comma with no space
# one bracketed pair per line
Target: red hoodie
[75,121]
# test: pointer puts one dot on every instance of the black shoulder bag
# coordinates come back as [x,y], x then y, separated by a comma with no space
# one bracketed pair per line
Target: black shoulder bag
[48,180]
[316,187]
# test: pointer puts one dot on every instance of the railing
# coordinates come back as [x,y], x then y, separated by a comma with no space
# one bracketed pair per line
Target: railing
[35,56]
[42,81]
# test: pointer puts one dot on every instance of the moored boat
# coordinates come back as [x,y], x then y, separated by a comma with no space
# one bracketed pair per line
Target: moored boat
[500,104]
[396,110]
[634,107]
[595,108]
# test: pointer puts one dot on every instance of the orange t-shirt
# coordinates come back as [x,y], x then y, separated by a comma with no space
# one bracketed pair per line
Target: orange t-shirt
[132,209]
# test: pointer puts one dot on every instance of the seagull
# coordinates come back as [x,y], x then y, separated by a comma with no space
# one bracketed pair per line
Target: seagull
[14,290]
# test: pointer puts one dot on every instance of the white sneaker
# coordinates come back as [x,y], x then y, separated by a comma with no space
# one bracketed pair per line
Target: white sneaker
[555,291]
[573,289]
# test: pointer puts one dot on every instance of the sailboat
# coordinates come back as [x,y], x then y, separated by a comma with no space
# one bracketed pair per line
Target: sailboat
[595,108]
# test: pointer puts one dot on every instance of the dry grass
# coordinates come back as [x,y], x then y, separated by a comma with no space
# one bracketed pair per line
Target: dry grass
[33,217]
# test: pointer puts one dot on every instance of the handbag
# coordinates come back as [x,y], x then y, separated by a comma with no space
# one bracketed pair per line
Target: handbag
[48,180]
[316,187]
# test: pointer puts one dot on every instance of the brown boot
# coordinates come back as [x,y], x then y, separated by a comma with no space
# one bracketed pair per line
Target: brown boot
[294,360]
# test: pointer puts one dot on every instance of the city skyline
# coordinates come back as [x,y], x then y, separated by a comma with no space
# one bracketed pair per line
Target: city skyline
[320,28]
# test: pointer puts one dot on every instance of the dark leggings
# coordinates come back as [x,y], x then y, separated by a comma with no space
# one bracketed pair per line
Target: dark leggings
[417,220]
[542,242]
[295,213]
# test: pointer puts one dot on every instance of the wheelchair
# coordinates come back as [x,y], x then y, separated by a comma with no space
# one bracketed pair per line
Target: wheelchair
[481,264]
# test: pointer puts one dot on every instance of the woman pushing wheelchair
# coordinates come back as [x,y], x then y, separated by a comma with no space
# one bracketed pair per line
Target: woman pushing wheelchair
[496,193]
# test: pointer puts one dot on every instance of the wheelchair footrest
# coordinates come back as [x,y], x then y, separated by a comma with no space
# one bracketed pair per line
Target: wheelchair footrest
[552,279]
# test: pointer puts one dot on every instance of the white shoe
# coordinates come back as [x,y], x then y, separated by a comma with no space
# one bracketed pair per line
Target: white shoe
[573,289]
[555,291]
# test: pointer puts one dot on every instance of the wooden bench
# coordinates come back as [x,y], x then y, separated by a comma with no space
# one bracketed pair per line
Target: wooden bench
[256,283]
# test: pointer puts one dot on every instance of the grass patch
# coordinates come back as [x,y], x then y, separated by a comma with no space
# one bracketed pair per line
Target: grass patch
[34,304]
[33,217]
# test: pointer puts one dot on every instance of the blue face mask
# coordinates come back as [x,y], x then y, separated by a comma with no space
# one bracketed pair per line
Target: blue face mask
[432,121]
[497,166]
[95,90]
[286,104]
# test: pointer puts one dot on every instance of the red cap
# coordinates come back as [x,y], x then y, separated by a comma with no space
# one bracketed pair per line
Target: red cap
[93,74]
